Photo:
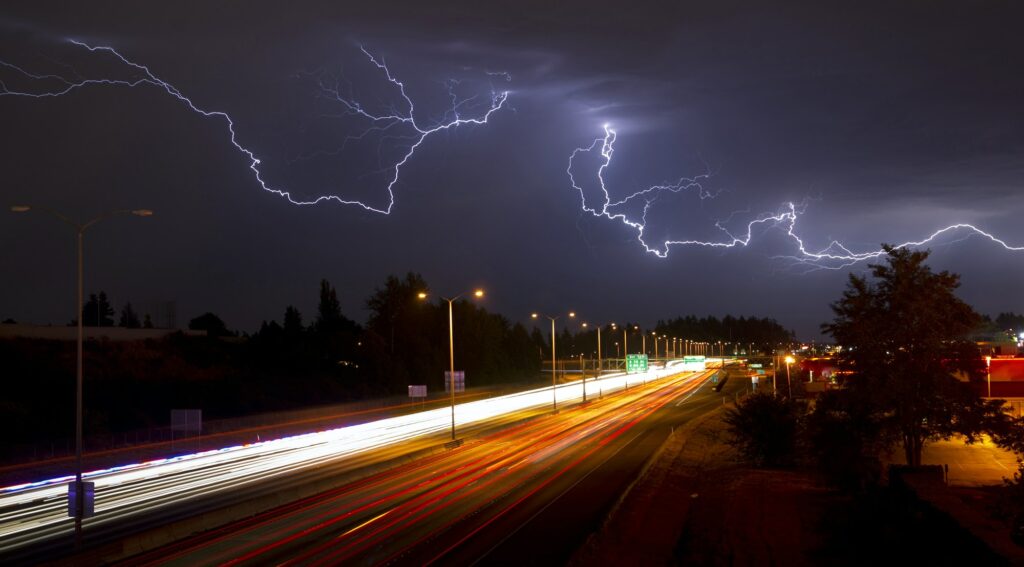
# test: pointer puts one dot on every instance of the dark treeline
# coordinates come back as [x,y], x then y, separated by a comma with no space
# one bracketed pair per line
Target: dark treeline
[300,360]
[760,332]
[405,341]
[1006,322]
[290,364]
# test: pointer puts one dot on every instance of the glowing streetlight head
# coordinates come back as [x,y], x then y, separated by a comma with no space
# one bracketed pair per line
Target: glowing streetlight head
[19,208]
[478,293]
[584,325]
[533,315]
[422,295]
[572,314]
[143,212]
[790,359]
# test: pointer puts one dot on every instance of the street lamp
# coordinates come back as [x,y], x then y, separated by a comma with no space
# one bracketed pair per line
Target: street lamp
[583,371]
[80,229]
[988,374]
[478,293]
[618,353]
[789,360]
[554,394]
[600,366]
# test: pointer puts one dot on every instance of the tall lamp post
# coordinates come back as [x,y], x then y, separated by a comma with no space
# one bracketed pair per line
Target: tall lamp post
[554,391]
[988,374]
[789,360]
[451,347]
[80,228]
[625,341]
[600,367]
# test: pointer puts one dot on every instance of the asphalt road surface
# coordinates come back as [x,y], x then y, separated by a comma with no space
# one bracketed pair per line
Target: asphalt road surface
[527,494]
[140,497]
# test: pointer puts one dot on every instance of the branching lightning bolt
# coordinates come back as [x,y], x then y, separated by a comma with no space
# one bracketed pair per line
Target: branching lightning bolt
[834,256]
[405,116]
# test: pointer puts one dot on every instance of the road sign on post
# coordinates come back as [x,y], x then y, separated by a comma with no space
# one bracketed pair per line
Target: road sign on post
[636,363]
[89,490]
[694,364]
[417,391]
[460,381]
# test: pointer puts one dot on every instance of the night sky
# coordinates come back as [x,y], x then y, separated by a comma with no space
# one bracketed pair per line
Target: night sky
[884,121]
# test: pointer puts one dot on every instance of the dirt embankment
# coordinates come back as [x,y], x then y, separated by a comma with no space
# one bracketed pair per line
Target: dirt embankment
[696,504]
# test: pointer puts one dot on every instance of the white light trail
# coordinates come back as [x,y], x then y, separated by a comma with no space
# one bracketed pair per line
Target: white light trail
[36,512]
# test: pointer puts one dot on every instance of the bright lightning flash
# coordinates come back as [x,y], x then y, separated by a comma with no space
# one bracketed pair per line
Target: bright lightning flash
[51,86]
[833,256]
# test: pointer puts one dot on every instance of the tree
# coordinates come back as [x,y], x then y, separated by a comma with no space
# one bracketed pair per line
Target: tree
[97,311]
[147,322]
[846,440]
[1010,322]
[212,324]
[329,315]
[336,336]
[393,307]
[129,319]
[903,342]
[764,429]
[292,322]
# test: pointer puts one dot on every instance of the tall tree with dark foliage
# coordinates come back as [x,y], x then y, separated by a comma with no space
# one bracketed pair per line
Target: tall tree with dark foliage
[903,337]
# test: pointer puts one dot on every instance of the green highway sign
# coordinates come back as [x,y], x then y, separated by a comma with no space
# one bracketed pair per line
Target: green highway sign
[636,363]
[694,358]
[756,365]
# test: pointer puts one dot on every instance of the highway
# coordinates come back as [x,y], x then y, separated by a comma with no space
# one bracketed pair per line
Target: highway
[138,496]
[529,493]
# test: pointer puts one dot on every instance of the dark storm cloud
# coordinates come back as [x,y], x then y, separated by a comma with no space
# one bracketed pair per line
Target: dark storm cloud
[889,120]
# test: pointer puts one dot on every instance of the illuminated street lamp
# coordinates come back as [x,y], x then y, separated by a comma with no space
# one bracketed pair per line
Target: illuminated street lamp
[789,360]
[583,371]
[80,228]
[554,394]
[478,293]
